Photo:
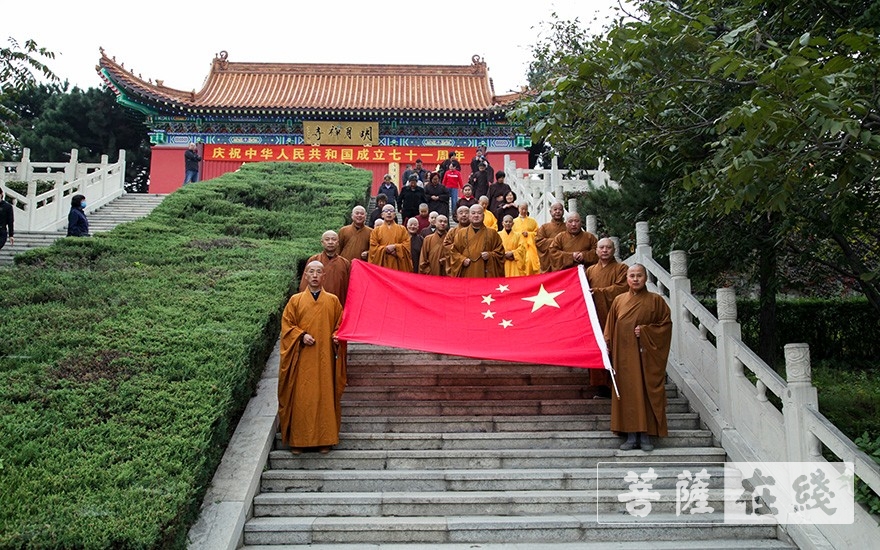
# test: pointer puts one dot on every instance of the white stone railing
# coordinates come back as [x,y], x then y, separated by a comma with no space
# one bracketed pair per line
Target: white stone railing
[709,364]
[542,187]
[100,183]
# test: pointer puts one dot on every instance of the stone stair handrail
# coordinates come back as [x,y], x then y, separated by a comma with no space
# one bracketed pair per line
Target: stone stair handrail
[739,413]
[101,183]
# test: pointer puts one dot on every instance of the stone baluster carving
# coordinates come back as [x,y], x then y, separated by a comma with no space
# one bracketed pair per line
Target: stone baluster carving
[801,395]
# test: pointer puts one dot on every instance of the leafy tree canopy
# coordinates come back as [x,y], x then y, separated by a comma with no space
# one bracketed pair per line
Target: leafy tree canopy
[18,63]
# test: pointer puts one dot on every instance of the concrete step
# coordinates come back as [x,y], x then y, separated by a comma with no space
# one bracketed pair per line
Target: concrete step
[525,479]
[545,376]
[477,503]
[470,459]
[506,440]
[517,407]
[472,393]
[702,544]
[476,424]
[607,528]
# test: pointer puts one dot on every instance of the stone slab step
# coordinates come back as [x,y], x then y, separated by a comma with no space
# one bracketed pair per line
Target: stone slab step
[516,407]
[407,379]
[484,458]
[489,529]
[447,424]
[702,544]
[457,365]
[476,503]
[335,481]
[473,393]
[506,440]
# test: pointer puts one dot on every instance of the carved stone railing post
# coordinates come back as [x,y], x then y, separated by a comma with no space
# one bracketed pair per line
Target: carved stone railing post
[593,224]
[801,445]
[729,331]
[643,242]
[678,289]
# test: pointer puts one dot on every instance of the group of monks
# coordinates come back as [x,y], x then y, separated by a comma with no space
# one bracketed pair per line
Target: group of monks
[636,323]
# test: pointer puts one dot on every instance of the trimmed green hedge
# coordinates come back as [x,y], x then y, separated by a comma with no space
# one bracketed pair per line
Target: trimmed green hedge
[127,358]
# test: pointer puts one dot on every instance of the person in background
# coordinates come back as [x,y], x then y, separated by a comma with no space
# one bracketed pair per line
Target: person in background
[77,222]
[432,224]
[389,189]
[438,195]
[411,198]
[432,259]
[376,214]
[191,160]
[489,219]
[415,243]
[467,197]
[7,222]
[452,179]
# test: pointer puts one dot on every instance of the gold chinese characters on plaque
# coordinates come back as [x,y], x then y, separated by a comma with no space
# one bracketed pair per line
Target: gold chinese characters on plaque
[340,133]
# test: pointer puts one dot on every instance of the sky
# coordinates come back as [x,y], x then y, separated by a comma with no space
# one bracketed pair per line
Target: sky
[176,41]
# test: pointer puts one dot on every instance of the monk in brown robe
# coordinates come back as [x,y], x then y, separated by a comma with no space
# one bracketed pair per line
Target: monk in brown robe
[432,260]
[572,247]
[311,376]
[390,243]
[545,234]
[607,280]
[336,268]
[638,333]
[354,238]
[463,217]
[477,251]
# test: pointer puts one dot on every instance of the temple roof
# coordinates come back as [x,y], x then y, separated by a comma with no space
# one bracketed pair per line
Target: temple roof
[307,88]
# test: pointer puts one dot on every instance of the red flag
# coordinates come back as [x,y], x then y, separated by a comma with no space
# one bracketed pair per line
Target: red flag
[546,319]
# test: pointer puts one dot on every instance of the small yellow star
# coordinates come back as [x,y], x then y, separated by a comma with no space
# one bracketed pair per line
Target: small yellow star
[506,323]
[488,314]
[543,298]
[503,288]
[488,299]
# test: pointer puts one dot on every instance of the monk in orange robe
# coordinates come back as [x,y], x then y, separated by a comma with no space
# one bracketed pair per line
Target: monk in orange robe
[336,268]
[607,280]
[433,258]
[545,234]
[526,226]
[477,251]
[638,333]
[463,217]
[354,239]
[390,243]
[573,247]
[514,249]
[311,376]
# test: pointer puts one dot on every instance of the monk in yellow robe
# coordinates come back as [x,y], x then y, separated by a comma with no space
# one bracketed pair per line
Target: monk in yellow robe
[477,251]
[433,258]
[354,239]
[545,234]
[390,243]
[311,376]
[573,247]
[607,280]
[638,333]
[336,268]
[514,249]
[527,227]
[489,219]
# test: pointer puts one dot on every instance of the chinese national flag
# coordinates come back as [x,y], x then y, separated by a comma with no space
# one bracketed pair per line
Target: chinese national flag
[547,319]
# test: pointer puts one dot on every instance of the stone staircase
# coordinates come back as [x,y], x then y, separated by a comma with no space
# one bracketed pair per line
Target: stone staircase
[448,452]
[126,208]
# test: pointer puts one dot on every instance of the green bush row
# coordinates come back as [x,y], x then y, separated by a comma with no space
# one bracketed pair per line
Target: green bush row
[127,358]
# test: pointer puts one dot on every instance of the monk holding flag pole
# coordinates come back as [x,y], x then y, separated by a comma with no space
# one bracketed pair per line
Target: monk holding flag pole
[638,333]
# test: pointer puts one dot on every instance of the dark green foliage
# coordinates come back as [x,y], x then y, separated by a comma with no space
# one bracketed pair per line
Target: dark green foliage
[127,357]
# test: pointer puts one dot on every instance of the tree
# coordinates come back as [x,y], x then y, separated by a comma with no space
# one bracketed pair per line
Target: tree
[759,114]
[17,67]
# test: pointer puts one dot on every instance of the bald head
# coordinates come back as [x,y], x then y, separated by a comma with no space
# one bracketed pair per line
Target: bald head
[605,250]
[556,211]
[476,215]
[330,242]
[314,275]
[573,223]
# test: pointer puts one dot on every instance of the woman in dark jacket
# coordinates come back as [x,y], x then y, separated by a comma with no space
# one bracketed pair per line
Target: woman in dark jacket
[77,222]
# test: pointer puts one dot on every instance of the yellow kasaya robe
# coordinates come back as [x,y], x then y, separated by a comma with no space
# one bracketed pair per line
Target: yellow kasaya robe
[468,243]
[395,234]
[336,271]
[433,258]
[528,225]
[640,364]
[565,245]
[606,283]
[513,242]
[311,379]
[353,241]
[489,219]
[543,237]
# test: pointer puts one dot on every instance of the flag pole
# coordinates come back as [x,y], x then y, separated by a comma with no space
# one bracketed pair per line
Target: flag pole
[614,383]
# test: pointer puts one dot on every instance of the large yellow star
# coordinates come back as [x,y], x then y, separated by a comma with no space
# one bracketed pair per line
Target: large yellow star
[543,298]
